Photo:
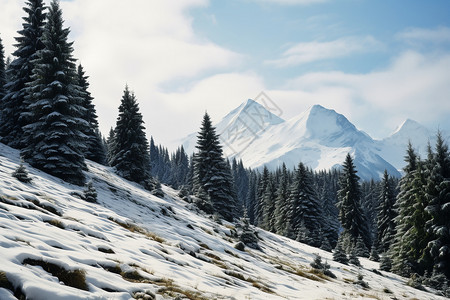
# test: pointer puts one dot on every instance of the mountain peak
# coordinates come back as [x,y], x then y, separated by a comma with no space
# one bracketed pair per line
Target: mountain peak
[408,125]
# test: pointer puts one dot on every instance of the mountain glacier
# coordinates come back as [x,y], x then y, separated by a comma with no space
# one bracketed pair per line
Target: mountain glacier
[318,137]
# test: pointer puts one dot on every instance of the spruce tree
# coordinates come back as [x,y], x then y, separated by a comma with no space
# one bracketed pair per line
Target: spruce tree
[402,260]
[54,137]
[109,145]
[339,254]
[251,199]
[263,181]
[211,172]
[438,194]
[304,206]
[129,150]
[350,212]
[90,193]
[93,139]
[2,74]
[281,204]
[269,206]
[386,214]
[14,103]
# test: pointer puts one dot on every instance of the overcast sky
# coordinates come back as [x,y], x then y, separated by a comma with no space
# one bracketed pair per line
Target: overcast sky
[376,62]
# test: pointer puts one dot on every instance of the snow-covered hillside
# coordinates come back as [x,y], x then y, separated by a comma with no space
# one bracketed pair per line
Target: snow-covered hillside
[130,244]
[319,137]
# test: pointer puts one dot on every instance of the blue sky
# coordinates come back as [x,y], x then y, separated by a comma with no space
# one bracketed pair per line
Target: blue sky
[376,62]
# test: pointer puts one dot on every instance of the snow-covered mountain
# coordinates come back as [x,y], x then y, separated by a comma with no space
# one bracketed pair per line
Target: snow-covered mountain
[319,137]
[393,148]
[132,245]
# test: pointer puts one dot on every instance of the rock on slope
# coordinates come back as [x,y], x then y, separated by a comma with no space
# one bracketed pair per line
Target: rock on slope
[130,244]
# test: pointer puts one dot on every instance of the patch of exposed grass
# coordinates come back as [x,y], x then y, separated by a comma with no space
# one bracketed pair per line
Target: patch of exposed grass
[212,255]
[115,269]
[75,278]
[170,289]
[138,229]
[56,223]
[257,284]
[232,253]
[4,282]
[203,245]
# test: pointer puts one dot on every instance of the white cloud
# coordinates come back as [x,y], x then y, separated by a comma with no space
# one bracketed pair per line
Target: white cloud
[414,86]
[413,36]
[302,53]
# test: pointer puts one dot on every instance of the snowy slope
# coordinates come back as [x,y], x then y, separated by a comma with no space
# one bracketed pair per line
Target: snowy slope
[132,244]
[319,137]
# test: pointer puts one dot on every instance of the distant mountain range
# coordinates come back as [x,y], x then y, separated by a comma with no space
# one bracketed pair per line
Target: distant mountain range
[318,137]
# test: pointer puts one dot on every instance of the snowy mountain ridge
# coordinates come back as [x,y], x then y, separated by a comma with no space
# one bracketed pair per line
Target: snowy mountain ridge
[318,137]
[133,245]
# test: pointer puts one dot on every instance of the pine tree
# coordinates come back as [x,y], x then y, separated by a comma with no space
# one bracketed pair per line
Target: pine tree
[353,259]
[90,193]
[269,206]
[374,254]
[360,248]
[263,181]
[350,212]
[402,260]
[251,200]
[2,74]
[385,262]
[305,206]
[129,153]
[93,139]
[21,174]
[109,145]
[281,204]
[339,254]
[438,194]
[386,214]
[54,137]
[14,104]
[211,172]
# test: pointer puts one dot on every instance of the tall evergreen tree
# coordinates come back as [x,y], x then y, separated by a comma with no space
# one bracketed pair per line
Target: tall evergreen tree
[350,212]
[438,193]
[211,172]
[263,181]
[304,207]
[54,139]
[109,145]
[402,260]
[269,205]
[129,153]
[95,150]
[2,74]
[281,203]
[19,74]
[386,214]
[251,199]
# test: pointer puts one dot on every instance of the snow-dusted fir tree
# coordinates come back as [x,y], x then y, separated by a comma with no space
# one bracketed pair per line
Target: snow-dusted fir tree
[350,213]
[402,258]
[90,193]
[95,150]
[109,145]
[2,74]
[251,199]
[19,74]
[263,181]
[386,214]
[281,204]
[438,193]
[339,254]
[21,174]
[269,206]
[211,172]
[304,206]
[130,149]
[54,137]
